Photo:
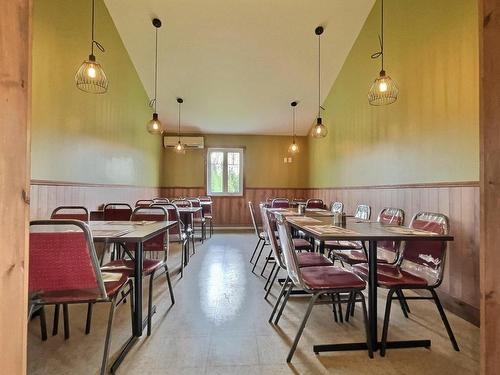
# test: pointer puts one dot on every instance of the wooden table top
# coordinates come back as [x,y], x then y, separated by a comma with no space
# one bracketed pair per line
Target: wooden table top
[322,229]
[128,231]
[310,212]
[190,210]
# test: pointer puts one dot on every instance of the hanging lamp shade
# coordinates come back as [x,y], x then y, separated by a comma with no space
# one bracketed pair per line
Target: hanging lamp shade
[319,129]
[383,90]
[154,126]
[179,148]
[293,148]
[91,77]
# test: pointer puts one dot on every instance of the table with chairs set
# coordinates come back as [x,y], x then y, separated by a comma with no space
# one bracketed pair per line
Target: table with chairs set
[79,258]
[344,264]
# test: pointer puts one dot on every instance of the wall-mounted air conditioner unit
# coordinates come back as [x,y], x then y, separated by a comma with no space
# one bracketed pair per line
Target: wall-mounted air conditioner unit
[188,142]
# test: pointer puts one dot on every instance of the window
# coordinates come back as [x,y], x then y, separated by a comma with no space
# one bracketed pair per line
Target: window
[225,171]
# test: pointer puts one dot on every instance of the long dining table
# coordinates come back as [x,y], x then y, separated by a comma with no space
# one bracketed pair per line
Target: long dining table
[131,232]
[322,229]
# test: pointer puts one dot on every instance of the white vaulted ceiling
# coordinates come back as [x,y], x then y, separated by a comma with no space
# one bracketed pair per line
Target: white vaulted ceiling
[239,63]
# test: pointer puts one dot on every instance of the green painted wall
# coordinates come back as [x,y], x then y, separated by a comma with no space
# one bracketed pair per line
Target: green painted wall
[264,166]
[81,137]
[431,134]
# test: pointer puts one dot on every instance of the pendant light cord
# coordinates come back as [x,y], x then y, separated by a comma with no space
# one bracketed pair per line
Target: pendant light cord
[380,53]
[156,65]
[293,123]
[179,124]
[94,42]
[319,75]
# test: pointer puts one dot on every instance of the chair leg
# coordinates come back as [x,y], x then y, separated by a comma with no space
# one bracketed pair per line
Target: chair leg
[66,321]
[107,342]
[270,276]
[192,242]
[169,282]
[258,256]
[272,282]
[285,300]
[445,320]
[43,323]
[278,300]
[55,324]
[387,316]
[267,262]
[301,328]
[334,309]
[350,305]
[365,319]
[402,303]
[341,314]
[89,318]
[255,250]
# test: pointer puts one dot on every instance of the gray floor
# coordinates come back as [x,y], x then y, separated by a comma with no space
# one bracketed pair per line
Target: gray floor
[219,326]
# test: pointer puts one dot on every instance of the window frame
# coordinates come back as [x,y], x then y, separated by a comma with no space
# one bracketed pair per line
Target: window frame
[225,151]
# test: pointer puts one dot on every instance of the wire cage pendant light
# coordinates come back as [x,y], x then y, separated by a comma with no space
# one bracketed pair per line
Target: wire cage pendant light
[319,130]
[179,148]
[383,90]
[294,147]
[154,126]
[90,77]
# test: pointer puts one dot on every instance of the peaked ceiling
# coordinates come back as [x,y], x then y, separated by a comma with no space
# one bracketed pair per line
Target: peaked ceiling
[238,63]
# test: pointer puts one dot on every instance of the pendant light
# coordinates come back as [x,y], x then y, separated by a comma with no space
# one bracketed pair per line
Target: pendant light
[90,77]
[319,129]
[179,148]
[154,125]
[294,148]
[383,90]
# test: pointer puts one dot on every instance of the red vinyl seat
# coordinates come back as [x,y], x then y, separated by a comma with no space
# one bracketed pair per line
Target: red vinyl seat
[302,244]
[126,266]
[312,260]
[390,275]
[319,278]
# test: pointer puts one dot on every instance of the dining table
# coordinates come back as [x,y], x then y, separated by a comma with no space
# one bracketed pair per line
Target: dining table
[135,233]
[322,229]
[309,212]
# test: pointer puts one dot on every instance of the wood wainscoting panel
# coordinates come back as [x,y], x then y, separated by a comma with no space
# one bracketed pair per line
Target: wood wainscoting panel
[47,195]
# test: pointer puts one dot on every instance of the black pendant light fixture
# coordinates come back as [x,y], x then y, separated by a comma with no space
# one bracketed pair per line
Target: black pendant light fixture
[294,148]
[179,148]
[383,90]
[319,129]
[154,125]
[90,77]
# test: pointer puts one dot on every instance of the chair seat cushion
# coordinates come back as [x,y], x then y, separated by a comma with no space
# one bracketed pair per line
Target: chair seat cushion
[301,244]
[391,275]
[199,219]
[312,260]
[350,256]
[81,295]
[208,216]
[340,245]
[127,266]
[332,277]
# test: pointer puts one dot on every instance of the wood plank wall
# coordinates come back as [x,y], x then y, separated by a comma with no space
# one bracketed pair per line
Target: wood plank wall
[460,201]
[15,93]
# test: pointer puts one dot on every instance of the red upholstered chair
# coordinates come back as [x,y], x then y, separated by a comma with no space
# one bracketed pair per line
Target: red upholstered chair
[177,234]
[319,281]
[265,240]
[198,218]
[65,213]
[280,203]
[144,203]
[161,200]
[363,212]
[63,269]
[387,251]
[117,212]
[305,259]
[208,211]
[158,245]
[420,266]
[260,235]
[315,203]
[337,207]
[187,219]
[71,212]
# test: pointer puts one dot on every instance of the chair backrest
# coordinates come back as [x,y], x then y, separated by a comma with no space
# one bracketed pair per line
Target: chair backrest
[287,249]
[62,258]
[280,203]
[270,223]
[363,212]
[252,215]
[262,207]
[337,207]
[117,212]
[160,200]
[144,203]
[426,258]
[70,212]
[182,203]
[173,215]
[205,198]
[391,216]
[315,203]
[154,213]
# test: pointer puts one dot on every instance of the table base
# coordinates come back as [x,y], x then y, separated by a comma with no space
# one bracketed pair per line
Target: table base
[362,346]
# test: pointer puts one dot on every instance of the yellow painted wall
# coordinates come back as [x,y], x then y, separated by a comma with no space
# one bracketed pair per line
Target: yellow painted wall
[82,137]
[264,166]
[431,134]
